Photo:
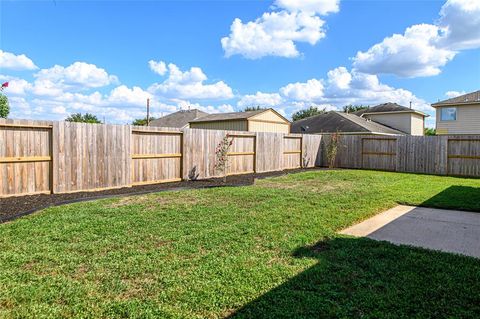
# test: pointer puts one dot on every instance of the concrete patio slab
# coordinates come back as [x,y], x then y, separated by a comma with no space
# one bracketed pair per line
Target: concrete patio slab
[439,229]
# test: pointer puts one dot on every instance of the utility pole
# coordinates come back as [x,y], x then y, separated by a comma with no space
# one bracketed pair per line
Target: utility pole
[148,112]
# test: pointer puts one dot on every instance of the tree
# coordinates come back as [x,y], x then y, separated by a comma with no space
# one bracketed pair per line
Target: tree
[4,106]
[253,108]
[83,118]
[354,108]
[311,111]
[142,122]
[430,131]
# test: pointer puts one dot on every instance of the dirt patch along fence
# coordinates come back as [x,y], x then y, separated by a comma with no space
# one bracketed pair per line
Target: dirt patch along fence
[437,155]
[63,157]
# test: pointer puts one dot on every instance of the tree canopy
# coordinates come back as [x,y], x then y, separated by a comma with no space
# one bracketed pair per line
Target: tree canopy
[254,108]
[311,111]
[354,108]
[83,118]
[430,131]
[4,106]
[142,122]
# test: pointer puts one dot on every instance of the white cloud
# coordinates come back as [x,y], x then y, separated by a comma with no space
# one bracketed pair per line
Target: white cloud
[59,110]
[16,86]
[342,87]
[309,91]
[452,94]
[16,62]
[321,7]
[189,85]
[158,67]
[79,75]
[275,34]
[122,95]
[260,99]
[425,48]
[461,21]
[415,53]
[339,78]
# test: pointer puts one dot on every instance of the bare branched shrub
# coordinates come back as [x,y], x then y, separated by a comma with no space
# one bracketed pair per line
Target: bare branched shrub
[332,149]
[221,156]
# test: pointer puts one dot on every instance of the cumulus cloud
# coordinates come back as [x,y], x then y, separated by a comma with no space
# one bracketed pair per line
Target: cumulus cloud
[190,85]
[425,48]
[321,7]
[276,33]
[308,91]
[159,67]
[452,94]
[260,99]
[16,62]
[79,75]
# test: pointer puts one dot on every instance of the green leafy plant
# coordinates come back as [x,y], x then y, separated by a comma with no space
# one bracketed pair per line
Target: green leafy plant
[332,149]
[221,156]
[83,118]
[142,122]
[311,111]
[430,131]
[253,108]
[4,106]
[354,108]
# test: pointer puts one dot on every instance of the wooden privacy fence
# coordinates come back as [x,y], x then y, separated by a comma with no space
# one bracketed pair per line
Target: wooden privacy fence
[62,157]
[438,155]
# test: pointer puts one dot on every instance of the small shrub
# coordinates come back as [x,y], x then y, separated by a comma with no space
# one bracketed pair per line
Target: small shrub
[332,149]
[221,156]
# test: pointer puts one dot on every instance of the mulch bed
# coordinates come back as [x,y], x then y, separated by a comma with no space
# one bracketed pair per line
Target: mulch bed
[14,207]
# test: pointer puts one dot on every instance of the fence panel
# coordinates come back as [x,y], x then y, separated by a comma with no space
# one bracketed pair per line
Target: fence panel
[464,156]
[241,155]
[25,157]
[90,157]
[269,152]
[156,156]
[379,153]
[292,151]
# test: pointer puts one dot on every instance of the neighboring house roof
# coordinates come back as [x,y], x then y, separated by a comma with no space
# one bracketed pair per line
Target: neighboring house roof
[332,122]
[178,119]
[469,98]
[388,108]
[234,116]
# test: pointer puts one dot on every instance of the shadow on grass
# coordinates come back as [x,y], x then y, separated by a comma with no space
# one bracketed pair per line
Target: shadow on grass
[456,197]
[359,277]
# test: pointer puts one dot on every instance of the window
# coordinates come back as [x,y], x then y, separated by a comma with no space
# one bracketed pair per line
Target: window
[449,114]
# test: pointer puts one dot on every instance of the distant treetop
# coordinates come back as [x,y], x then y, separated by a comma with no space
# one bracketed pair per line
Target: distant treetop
[311,111]
[254,108]
[83,118]
[354,108]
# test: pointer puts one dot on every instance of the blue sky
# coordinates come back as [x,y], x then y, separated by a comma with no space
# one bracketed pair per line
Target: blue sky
[87,56]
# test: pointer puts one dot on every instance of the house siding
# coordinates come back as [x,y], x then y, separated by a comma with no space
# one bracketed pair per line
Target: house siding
[240,125]
[398,121]
[255,126]
[468,120]
[418,125]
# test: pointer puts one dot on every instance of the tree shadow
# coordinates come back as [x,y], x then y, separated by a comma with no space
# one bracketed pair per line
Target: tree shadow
[362,278]
[456,197]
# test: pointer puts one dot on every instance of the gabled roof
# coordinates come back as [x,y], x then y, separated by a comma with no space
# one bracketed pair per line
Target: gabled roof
[469,98]
[388,108]
[333,122]
[234,116]
[178,119]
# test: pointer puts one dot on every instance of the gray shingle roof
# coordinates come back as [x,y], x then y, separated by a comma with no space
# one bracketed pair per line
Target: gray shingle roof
[469,98]
[387,107]
[332,122]
[178,119]
[228,116]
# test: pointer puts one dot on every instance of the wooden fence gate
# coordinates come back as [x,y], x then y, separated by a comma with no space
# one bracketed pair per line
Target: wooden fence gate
[242,154]
[156,156]
[25,159]
[292,152]
[379,153]
[463,157]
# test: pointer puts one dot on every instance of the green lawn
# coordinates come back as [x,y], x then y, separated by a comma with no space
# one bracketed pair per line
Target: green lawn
[267,250]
